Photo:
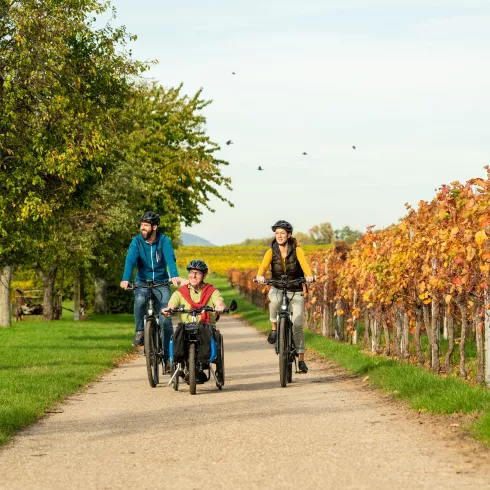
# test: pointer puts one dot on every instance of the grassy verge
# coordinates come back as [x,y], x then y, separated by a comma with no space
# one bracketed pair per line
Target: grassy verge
[42,362]
[420,388]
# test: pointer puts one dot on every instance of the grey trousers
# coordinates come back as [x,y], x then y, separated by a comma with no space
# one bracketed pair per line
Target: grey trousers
[296,307]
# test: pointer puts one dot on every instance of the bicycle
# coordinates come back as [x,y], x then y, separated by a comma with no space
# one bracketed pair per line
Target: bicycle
[284,346]
[153,342]
[188,366]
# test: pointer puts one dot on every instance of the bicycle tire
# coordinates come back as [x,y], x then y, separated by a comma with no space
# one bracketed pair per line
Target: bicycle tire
[222,360]
[220,365]
[290,357]
[151,352]
[283,351]
[192,369]
[160,352]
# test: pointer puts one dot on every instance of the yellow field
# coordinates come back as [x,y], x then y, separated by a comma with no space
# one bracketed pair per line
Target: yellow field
[220,259]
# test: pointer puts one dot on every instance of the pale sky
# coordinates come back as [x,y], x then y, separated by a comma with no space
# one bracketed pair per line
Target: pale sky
[406,82]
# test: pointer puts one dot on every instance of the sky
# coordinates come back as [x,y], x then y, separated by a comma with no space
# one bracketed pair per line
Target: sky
[405,82]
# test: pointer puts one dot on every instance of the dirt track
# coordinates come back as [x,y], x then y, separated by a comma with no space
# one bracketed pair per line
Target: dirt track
[323,431]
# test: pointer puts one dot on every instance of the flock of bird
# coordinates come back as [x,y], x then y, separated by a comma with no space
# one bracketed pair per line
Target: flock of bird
[260,168]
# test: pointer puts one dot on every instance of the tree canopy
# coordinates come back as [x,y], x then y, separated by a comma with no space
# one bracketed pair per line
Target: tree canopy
[87,145]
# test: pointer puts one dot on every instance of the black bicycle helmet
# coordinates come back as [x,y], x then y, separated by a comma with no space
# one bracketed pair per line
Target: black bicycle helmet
[198,265]
[150,217]
[282,224]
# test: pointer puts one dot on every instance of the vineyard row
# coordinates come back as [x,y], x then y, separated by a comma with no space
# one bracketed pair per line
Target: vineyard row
[422,281]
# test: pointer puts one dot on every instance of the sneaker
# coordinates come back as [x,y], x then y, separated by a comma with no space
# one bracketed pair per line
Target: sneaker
[272,337]
[138,338]
[302,367]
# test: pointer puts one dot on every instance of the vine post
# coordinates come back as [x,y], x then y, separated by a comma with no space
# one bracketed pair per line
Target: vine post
[354,320]
[325,306]
[487,339]
[435,362]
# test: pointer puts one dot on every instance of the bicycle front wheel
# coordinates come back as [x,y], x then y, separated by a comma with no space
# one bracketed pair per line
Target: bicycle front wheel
[151,352]
[192,368]
[283,350]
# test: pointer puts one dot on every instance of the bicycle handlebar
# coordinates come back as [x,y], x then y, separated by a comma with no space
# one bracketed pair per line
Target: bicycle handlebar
[131,286]
[285,282]
[202,309]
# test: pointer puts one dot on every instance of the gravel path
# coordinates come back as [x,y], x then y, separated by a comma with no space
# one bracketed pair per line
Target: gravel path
[323,431]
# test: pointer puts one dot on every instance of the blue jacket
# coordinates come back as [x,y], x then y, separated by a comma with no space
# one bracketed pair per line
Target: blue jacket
[151,261]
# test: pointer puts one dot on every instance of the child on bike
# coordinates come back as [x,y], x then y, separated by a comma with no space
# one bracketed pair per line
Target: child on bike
[286,258]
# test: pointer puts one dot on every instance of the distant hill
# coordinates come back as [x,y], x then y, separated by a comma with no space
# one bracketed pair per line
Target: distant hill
[189,239]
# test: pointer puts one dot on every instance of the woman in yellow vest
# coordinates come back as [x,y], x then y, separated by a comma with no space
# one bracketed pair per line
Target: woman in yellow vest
[286,258]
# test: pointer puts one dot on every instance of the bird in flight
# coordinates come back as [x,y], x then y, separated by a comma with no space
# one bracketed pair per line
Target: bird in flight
[233,73]
[259,168]
[354,147]
[229,142]
[304,153]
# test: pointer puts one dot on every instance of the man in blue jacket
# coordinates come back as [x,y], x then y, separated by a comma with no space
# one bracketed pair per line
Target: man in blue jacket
[151,252]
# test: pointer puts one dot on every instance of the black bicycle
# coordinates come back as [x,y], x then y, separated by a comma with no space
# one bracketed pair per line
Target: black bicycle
[189,366]
[284,346]
[153,341]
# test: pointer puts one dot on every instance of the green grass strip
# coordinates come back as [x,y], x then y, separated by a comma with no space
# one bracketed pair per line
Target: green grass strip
[42,362]
[417,386]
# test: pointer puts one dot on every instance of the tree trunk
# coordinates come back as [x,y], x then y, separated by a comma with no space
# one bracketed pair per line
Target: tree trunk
[487,340]
[324,320]
[464,327]
[435,361]
[325,328]
[48,279]
[396,332]
[450,336]
[379,327]
[406,336]
[338,328]
[418,327]
[5,280]
[365,338]
[428,329]
[76,293]
[387,335]
[100,303]
[83,306]
[374,332]
[479,344]
[354,321]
